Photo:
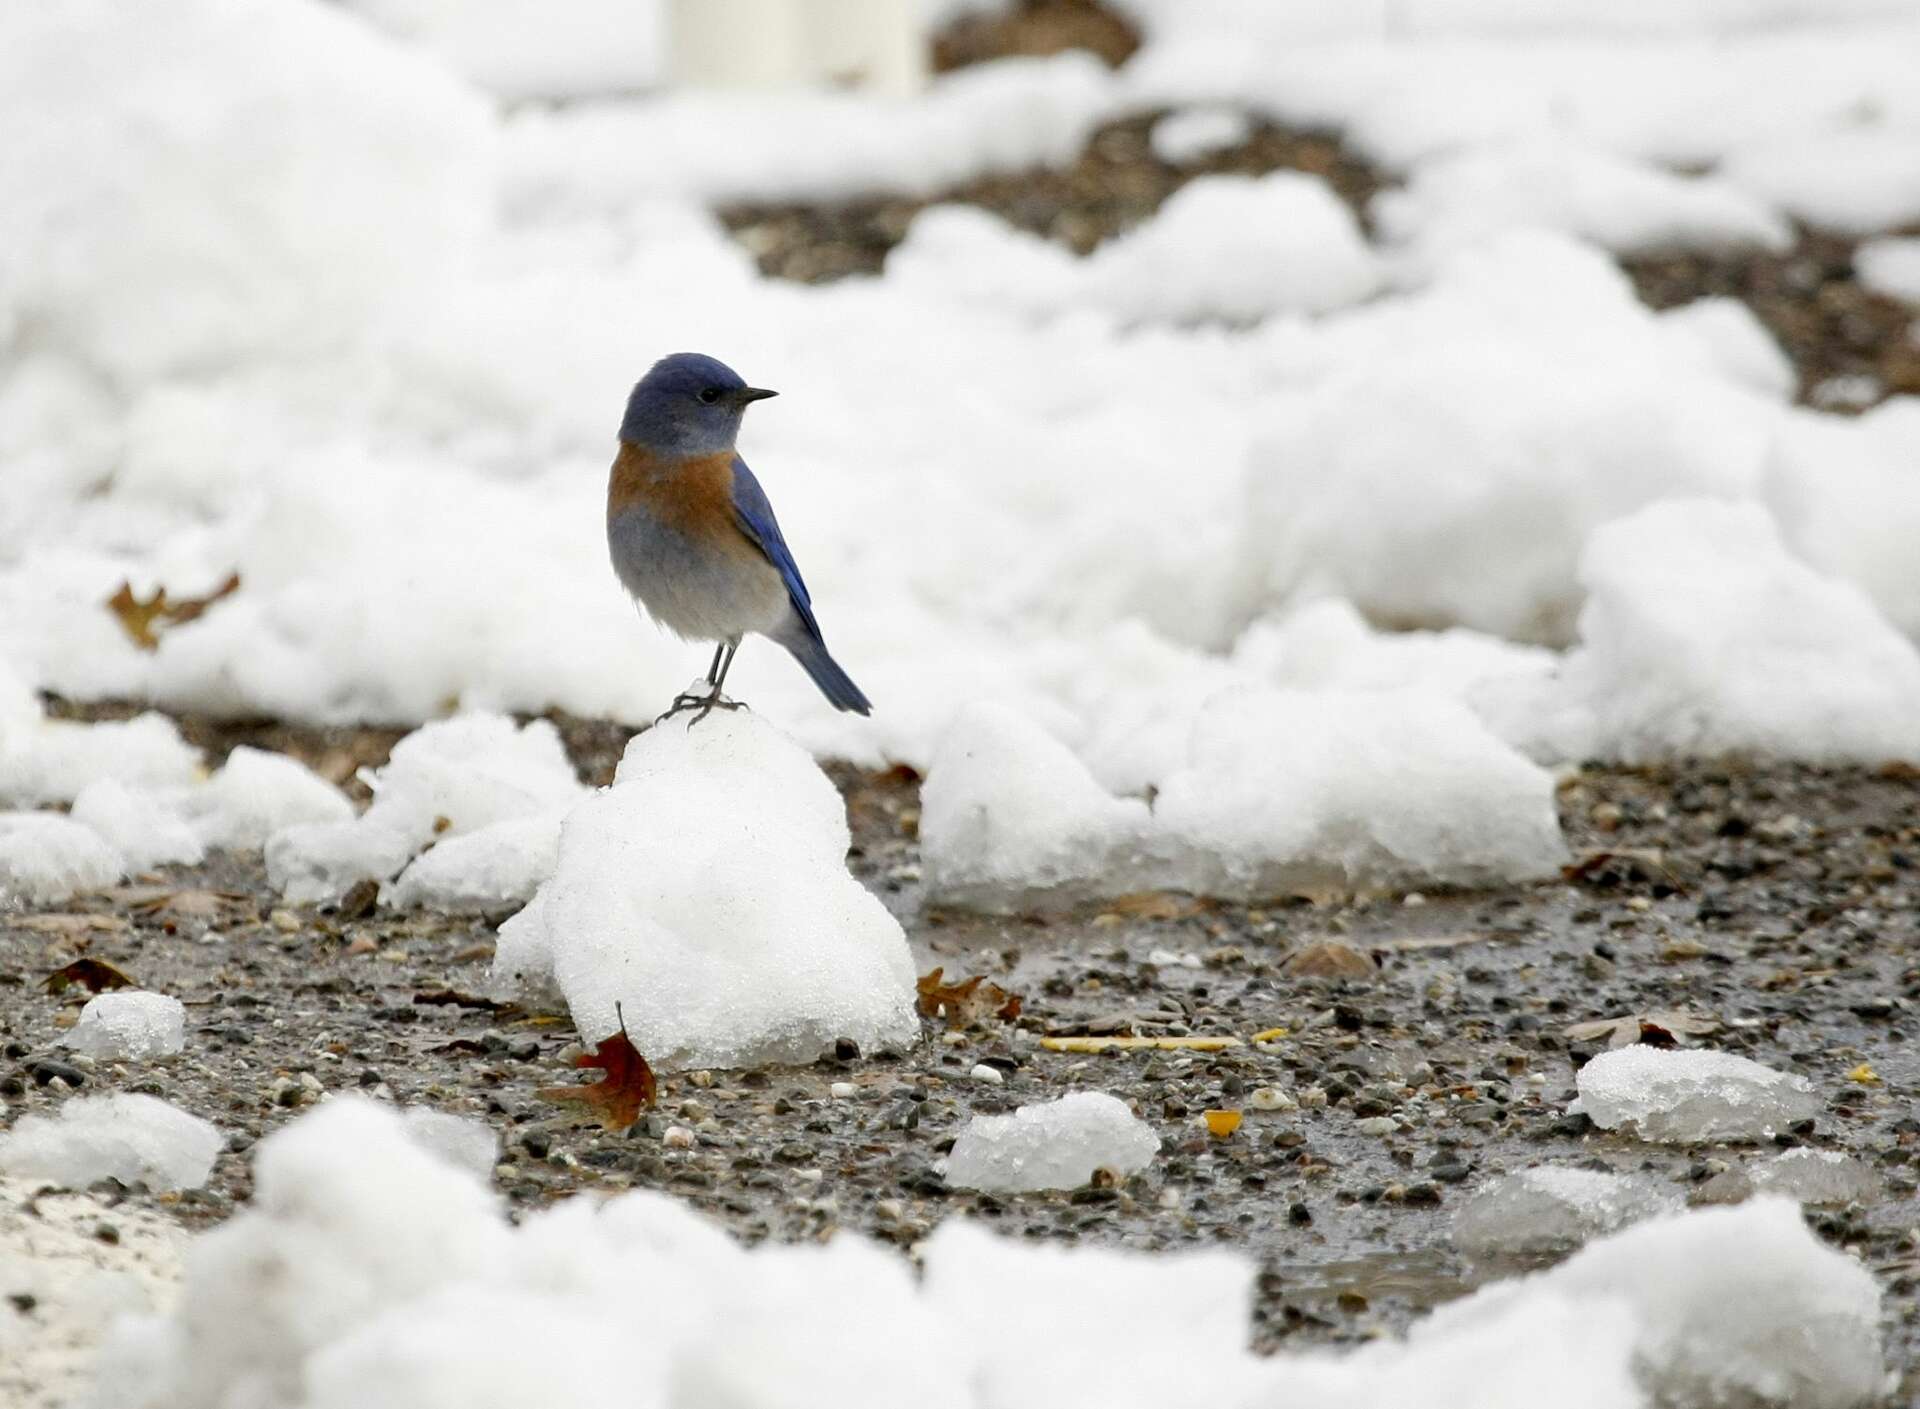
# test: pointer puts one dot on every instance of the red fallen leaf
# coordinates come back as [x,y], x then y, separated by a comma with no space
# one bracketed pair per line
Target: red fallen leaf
[1654,1035]
[95,975]
[617,1098]
[967,1003]
[140,619]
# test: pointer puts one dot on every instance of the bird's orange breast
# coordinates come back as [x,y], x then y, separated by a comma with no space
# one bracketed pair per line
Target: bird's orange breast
[692,497]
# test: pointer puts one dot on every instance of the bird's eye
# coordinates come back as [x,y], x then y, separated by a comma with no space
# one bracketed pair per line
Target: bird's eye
[710,395]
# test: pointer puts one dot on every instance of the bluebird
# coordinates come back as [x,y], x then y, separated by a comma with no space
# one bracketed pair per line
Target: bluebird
[693,537]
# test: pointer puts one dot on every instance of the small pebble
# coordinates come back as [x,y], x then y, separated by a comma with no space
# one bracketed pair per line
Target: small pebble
[842,1090]
[678,1137]
[990,1075]
[1376,1125]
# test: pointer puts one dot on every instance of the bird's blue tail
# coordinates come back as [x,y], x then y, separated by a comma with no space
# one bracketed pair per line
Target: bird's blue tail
[834,683]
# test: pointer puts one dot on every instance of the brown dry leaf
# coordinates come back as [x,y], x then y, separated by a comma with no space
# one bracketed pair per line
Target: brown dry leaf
[94,975]
[142,620]
[1668,1027]
[1650,864]
[1330,959]
[967,1003]
[1139,1044]
[188,904]
[617,1098]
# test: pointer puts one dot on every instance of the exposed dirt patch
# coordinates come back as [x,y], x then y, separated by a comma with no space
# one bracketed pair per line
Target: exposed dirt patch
[1034,29]
[1783,902]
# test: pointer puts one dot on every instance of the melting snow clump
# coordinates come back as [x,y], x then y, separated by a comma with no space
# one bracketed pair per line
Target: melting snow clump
[1552,1210]
[130,1026]
[1687,1097]
[1052,1145]
[46,857]
[706,897]
[125,1136]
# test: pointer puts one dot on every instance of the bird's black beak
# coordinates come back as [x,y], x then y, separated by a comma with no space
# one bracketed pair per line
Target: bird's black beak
[754,393]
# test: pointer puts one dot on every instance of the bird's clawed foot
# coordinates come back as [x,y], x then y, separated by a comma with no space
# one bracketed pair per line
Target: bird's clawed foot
[705,704]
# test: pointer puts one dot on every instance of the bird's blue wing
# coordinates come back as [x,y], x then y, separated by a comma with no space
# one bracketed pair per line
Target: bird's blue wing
[754,514]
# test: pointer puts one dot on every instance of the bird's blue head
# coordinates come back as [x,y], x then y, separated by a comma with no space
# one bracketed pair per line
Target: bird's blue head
[688,405]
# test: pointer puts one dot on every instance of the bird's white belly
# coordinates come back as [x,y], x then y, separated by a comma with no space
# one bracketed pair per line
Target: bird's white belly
[692,589]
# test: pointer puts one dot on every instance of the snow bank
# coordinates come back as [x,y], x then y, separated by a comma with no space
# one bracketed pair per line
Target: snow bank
[1051,1145]
[187,183]
[1451,463]
[706,898]
[257,793]
[129,1026]
[1891,267]
[1702,636]
[521,49]
[1285,792]
[54,760]
[125,1136]
[1553,1210]
[1684,1096]
[368,1272]
[144,828]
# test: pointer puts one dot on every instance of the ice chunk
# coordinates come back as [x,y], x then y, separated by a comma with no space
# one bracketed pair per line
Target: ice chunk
[1193,133]
[130,1026]
[1817,1177]
[706,895]
[125,1136]
[322,861]
[499,864]
[258,793]
[1051,1145]
[1299,792]
[1688,1096]
[1702,636]
[145,828]
[1729,338]
[471,1145]
[54,760]
[1553,1210]
[44,857]
[1010,820]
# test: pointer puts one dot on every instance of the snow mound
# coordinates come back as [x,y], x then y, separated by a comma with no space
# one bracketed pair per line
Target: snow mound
[258,793]
[1051,1145]
[125,1136]
[706,896]
[368,1272]
[45,857]
[143,827]
[1285,792]
[129,1026]
[1702,636]
[1292,792]
[1550,1210]
[54,760]
[449,782]
[1688,1096]
[1011,820]
[1620,204]
[1193,133]
[1456,449]
[1890,266]
[1817,1177]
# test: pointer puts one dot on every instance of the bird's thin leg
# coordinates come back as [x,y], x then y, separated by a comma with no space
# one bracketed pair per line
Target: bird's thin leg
[716,700]
[714,673]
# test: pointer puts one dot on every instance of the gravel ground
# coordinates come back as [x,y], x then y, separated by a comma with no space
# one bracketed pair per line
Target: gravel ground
[1780,902]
